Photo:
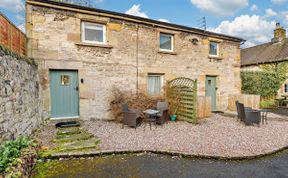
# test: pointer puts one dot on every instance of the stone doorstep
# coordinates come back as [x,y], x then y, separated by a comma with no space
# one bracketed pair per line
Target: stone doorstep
[80,145]
[74,137]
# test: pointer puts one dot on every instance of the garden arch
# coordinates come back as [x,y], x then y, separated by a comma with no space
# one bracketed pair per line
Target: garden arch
[182,98]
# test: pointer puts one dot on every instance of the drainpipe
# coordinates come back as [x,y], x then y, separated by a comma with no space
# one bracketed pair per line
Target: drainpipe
[137,62]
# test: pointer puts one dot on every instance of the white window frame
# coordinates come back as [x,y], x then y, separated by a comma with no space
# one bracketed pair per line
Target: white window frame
[212,55]
[172,42]
[161,83]
[83,26]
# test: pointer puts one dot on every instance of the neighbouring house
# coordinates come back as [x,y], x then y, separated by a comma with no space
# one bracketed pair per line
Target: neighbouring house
[83,52]
[272,53]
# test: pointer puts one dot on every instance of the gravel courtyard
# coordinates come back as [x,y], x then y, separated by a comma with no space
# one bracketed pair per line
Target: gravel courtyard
[215,136]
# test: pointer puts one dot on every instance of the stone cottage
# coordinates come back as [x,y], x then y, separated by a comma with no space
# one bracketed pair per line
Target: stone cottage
[274,52]
[84,52]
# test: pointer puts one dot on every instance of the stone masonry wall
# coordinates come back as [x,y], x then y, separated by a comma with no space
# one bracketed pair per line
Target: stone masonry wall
[19,96]
[55,39]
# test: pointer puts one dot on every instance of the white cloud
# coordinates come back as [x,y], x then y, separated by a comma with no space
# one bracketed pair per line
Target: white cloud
[220,7]
[136,11]
[279,1]
[164,20]
[13,5]
[254,29]
[269,13]
[254,7]
[22,27]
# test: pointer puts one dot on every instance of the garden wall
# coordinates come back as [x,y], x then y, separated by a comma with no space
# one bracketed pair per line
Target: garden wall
[19,96]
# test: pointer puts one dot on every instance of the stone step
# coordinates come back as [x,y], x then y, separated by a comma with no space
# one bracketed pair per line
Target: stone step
[69,131]
[72,138]
[80,145]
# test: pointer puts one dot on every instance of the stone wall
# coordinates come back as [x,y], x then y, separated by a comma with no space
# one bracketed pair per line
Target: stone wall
[19,96]
[54,39]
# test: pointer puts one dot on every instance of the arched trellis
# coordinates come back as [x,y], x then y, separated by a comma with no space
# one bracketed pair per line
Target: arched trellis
[182,98]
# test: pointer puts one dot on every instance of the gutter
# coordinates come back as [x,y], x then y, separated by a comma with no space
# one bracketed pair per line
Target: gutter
[121,16]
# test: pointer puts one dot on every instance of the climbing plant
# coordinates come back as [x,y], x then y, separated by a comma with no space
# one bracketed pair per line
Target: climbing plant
[265,82]
[181,94]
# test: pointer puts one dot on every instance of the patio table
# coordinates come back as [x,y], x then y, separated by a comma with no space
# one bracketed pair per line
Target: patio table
[150,116]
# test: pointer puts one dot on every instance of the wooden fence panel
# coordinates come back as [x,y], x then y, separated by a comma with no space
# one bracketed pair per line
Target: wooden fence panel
[203,106]
[248,100]
[11,37]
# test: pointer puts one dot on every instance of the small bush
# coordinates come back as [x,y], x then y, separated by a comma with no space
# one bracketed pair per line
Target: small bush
[270,103]
[140,101]
[11,150]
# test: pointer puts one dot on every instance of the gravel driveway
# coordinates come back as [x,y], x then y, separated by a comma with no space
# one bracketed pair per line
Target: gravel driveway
[215,136]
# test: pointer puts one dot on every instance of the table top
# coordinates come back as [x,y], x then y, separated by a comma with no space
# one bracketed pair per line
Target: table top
[151,111]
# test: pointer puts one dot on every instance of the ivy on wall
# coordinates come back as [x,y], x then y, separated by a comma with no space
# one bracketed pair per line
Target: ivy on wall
[265,82]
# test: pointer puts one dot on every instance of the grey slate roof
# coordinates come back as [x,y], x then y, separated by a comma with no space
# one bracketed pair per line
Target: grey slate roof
[265,53]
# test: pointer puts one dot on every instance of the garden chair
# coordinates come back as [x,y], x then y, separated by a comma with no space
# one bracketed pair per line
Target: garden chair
[131,117]
[163,115]
[239,117]
[249,116]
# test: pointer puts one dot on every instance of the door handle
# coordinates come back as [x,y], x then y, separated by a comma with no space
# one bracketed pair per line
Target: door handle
[77,88]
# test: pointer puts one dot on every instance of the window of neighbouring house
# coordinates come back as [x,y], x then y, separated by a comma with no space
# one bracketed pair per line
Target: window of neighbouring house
[213,49]
[286,88]
[93,33]
[155,84]
[166,42]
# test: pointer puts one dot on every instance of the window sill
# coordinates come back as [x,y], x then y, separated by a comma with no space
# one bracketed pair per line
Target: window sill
[167,52]
[94,45]
[215,57]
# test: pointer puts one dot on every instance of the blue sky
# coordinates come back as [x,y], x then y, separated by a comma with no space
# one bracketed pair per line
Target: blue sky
[253,20]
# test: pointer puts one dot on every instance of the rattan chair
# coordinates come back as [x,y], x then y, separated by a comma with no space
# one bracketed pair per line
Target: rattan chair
[163,116]
[249,116]
[131,117]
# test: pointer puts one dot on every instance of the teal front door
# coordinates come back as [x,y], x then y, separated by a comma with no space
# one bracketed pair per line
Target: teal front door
[64,93]
[210,88]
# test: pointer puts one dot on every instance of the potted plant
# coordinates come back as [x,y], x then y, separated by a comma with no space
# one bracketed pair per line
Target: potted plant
[174,107]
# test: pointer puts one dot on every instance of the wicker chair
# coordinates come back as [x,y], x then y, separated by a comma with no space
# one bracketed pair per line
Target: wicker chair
[249,116]
[131,117]
[163,116]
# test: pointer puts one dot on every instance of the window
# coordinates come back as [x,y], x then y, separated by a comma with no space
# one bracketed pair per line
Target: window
[65,80]
[213,49]
[155,84]
[93,33]
[166,42]
[286,88]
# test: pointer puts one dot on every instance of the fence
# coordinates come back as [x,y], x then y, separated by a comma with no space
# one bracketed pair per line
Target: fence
[203,106]
[248,100]
[11,37]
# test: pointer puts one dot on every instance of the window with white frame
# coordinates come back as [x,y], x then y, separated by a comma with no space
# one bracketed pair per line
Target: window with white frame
[93,33]
[286,88]
[155,82]
[214,49]
[166,42]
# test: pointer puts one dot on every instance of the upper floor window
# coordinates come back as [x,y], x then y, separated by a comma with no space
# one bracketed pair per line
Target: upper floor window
[214,49]
[93,33]
[166,42]
[286,88]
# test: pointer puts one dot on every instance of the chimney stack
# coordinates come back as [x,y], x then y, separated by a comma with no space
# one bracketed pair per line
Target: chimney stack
[279,33]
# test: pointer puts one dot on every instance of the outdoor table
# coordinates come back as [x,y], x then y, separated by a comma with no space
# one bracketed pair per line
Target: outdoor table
[264,114]
[151,116]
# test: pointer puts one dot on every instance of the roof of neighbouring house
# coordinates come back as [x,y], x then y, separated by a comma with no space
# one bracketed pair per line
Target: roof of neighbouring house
[83,9]
[265,53]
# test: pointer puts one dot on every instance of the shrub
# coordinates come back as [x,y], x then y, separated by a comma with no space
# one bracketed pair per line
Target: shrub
[140,101]
[265,84]
[11,150]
